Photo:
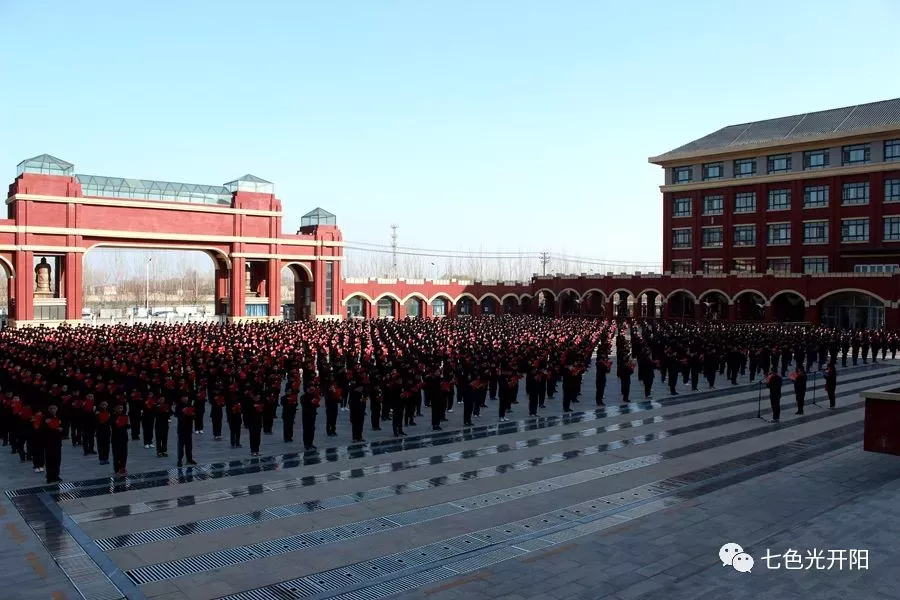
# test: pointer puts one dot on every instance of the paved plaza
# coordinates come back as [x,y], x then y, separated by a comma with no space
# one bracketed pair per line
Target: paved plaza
[624,501]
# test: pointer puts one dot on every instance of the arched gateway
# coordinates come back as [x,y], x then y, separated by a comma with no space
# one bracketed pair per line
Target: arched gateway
[57,216]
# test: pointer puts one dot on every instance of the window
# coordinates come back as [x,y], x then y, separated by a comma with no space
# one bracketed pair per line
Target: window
[815,264]
[412,308]
[712,205]
[892,150]
[745,235]
[745,202]
[712,171]
[855,230]
[712,237]
[815,159]
[876,268]
[439,307]
[329,286]
[815,232]
[779,199]
[745,167]
[681,207]
[743,265]
[856,193]
[682,174]
[681,266]
[858,154]
[779,265]
[355,307]
[892,229]
[779,234]
[779,163]
[892,190]
[712,266]
[681,238]
[815,196]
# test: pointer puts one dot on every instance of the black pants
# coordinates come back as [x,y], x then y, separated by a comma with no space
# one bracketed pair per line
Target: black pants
[288,416]
[775,401]
[626,389]
[648,386]
[198,417]
[215,415]
[800,395]
[185,444]
[438,406]
[119,454]
[309,428]
[103,444]
[357,421]
[375,415]
[36,449]
[255,436]
[147,425]
[268,417]
[162,435]
[234,428]
[87,436]
[331,415]
[22,442]
[410,410]
[601,390]
[504,404]
[134,419]
[397,420]
[532,404]
[829,391]
[54,459]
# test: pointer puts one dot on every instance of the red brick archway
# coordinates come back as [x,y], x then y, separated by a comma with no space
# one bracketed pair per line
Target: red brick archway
[56,217]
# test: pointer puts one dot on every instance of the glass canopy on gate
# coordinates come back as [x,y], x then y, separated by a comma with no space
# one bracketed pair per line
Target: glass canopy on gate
[316,217]
[45,165]
[147,189]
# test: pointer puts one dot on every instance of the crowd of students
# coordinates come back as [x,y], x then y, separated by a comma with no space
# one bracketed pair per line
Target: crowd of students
[107,388]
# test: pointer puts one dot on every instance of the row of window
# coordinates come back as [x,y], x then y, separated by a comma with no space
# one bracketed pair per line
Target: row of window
[856,154]
[814,196]
[811,265]
[779,234]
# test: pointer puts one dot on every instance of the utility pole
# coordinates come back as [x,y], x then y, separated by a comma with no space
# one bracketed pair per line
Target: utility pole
[545,260]
[147,290]
[394,249]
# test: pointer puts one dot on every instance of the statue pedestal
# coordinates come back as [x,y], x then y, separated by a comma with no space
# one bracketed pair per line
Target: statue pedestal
[43,295]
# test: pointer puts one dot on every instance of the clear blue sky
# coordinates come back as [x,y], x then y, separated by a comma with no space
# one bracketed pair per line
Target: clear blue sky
[502,124]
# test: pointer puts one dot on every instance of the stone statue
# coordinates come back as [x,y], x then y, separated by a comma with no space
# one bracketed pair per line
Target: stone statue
[42,287]
[249,291]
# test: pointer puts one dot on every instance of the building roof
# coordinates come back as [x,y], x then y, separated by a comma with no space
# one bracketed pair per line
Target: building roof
[46,164]
[836,122]
[318,216]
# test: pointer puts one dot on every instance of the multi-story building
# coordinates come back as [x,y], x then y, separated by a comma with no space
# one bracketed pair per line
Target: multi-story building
[810,193]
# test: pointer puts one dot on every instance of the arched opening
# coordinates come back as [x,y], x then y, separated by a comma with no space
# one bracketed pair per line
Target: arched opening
[749,306]
[440,306]
[789,307]
[650,304]
[357,307]
[413,308]
[593,304]
[569,303]
[714,305]
[623,303]
[527,305]
[851,310]
[121,284]
[296,292]
[465,306]
[4,292]
[386,308]
[489,305]
[546,303]
[681,305]
[510,304]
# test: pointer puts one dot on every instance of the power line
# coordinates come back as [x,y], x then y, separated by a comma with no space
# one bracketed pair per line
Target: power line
[545,260]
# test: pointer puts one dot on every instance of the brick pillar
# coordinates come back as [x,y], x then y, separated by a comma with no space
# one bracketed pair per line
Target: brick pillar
[273,285]
[73,289]
[23,310]
[236,284]
[222,288]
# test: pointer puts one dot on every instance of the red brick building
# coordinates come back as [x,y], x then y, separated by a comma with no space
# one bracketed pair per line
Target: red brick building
[811,194]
